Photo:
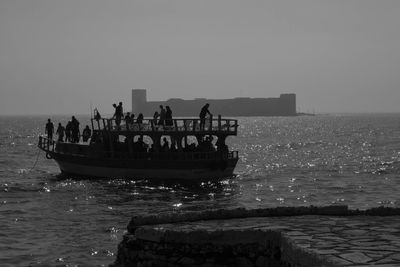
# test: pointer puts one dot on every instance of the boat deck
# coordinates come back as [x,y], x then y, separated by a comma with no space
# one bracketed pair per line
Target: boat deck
[183,126]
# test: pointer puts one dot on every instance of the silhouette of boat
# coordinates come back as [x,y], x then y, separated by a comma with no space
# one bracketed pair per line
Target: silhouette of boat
[111,151]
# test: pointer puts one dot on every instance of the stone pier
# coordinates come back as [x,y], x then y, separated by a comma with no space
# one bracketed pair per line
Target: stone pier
[285,236]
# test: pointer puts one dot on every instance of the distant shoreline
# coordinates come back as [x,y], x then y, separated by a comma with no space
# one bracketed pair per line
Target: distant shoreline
[297,114]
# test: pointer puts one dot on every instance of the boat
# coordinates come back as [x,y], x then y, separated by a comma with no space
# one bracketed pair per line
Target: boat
[112,151]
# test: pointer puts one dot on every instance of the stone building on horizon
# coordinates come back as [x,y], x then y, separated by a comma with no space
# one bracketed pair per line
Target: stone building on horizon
[285,105]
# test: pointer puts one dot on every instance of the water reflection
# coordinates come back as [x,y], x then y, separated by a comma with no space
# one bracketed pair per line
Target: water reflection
[155,196]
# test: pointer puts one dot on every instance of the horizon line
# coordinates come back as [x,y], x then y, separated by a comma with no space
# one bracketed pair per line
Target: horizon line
[298,114]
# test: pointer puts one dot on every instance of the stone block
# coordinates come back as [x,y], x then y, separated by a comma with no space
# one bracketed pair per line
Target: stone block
[356,257]
[325,251]
[333,210]
[149,234]
[336,261]
[355,232]
[383,211]
[304,240]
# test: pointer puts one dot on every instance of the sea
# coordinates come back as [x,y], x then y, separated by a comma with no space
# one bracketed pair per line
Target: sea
[49,220]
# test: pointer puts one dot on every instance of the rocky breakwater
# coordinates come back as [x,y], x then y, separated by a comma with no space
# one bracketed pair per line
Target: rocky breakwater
[283,236]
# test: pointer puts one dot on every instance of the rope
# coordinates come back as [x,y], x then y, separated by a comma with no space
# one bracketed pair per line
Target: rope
[36,161]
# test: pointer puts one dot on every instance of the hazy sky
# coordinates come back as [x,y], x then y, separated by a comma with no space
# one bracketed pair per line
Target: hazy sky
[57,56]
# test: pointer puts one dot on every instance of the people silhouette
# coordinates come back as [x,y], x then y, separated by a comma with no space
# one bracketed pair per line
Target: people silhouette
[118,114]
[97,115]
[86,133]
[68,132]
[60,131]
[49,129]
[155,117]
[168,116]
[204,111]
[161,121]
[75,130]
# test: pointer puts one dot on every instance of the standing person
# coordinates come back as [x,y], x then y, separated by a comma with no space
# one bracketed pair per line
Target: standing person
[168,116]
[203,113]
[60,131]
[49,129]
[139,119]
[121,109]
[155,117]
[115,112]
[75,130]
[97,115]
[86,133]
[128,118]
[118,114]
[68,132]
[161,121]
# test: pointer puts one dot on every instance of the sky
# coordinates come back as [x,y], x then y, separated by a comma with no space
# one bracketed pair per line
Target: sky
[61,57]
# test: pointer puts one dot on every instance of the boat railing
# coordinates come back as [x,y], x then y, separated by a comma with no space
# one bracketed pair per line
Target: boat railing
[184,125]
[177,155]
[82,150]
[46,144]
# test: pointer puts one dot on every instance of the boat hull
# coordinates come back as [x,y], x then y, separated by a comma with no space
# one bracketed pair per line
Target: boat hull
[105,172]
[145,169]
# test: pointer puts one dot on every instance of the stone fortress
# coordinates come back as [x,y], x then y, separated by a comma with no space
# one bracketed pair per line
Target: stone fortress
[285,105]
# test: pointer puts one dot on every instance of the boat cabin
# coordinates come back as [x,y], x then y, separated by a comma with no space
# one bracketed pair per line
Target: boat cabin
[187,136]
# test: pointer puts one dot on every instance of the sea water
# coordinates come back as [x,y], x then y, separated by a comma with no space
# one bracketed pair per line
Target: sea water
[47,220]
